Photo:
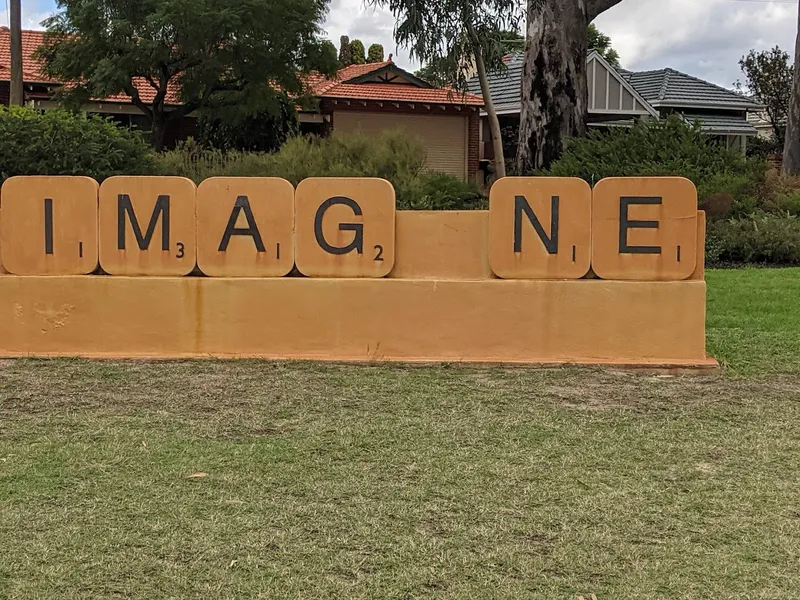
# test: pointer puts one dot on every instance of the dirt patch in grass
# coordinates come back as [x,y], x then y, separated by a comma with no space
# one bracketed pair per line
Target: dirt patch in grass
[393,482]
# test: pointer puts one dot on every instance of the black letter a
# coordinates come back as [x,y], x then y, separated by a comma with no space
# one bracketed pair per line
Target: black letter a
[242,204]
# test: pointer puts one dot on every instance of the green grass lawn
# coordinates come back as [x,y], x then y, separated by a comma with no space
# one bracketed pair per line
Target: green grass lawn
[754,320]
[329,481]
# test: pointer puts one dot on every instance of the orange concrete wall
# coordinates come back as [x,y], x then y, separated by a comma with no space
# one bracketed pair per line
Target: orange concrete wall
[353,319]
[441,244]
[507,284]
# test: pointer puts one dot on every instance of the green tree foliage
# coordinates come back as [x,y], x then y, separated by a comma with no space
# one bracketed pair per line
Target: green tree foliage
[230,57]
[433,74]
[454,35]
[375,53]
[602,43]
[57,142]
[768,76]
[266,131]
[345,52]
[357,49]
[512,41]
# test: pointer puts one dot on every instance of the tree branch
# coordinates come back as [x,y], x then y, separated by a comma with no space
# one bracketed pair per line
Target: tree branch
[163,86]
[136,100]
[594,8]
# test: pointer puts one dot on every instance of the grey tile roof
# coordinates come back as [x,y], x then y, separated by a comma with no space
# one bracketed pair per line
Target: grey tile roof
[505,87]
[668,86]
[721,124]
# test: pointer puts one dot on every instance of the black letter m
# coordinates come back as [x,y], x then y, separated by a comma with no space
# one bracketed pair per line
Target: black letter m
[125,207]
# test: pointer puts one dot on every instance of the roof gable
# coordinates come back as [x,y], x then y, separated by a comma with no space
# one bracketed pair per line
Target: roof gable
[389,72]
[614,94]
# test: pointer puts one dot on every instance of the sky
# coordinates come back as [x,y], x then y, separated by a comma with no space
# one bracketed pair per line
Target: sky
[705,38]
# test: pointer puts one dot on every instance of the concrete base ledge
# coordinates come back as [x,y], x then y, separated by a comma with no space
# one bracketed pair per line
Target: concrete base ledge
[658,325]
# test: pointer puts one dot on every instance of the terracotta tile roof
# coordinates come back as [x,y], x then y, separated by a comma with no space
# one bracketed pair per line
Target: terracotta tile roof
[401,93]
[319,85]
[32,73]
[338,87]
[31,40]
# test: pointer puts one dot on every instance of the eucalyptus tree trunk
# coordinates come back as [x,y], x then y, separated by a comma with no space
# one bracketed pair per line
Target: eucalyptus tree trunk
[791,148]
[491,115]
[554,87]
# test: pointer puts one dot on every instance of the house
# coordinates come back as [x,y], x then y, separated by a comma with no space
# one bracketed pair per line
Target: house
[377,96]
[367,98]
[618,98]
[38,90]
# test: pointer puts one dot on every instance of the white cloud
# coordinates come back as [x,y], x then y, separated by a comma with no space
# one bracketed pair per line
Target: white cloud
[370,25]
[30,20]
[705,38]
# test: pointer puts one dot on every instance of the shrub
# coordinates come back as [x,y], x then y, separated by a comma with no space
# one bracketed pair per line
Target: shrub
[390,155]
[57,142]
[440,191]
[666,147]
[763,239]
[764,147]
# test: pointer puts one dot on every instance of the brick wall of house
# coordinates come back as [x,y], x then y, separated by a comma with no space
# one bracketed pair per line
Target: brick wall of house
[5,93]
[473,146]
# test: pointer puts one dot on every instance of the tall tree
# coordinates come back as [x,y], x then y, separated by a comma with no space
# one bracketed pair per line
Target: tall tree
[345,52]
[452,33]
[602,43]
[232,57]
[791,150]
[358,52]
[768,76]
[375,53]
[555,93]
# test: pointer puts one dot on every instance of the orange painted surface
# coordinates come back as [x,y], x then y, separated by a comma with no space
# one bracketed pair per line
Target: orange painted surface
[442,245]
[660,243]
[358,245]
[148,197]
[48,225]
[529,257]
[245,227]
[699,273]
[355,319]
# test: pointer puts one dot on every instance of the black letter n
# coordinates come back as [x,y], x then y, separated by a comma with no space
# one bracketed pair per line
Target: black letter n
[125,207]
[521,205]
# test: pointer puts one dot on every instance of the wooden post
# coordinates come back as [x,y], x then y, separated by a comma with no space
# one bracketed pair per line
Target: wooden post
[16,96]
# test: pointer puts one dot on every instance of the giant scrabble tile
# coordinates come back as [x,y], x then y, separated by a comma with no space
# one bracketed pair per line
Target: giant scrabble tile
[344,227]
[540,228]
[245,227]
[48,225]
[644,228]
[147,226]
